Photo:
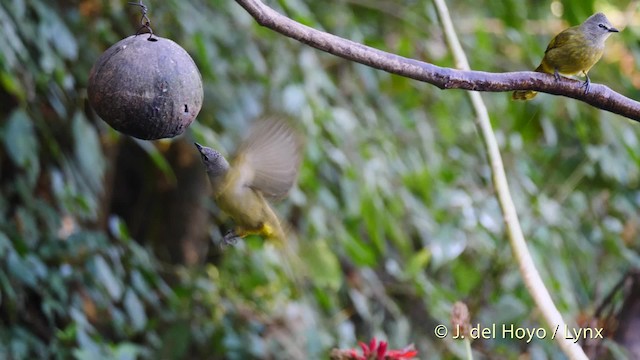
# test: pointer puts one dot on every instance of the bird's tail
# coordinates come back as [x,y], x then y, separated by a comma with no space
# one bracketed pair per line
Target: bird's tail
[527,94]
[286,244]
[524,94]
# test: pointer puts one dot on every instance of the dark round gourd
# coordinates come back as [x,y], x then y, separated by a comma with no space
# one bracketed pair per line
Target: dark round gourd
[148,88]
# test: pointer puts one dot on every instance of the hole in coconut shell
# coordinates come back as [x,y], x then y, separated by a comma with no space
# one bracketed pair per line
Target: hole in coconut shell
[152,39]
[186,108]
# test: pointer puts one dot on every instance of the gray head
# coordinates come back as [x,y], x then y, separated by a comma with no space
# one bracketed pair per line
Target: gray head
[215,164]
[597,26]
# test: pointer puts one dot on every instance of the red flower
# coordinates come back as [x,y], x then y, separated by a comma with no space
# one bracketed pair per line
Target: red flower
[375,351]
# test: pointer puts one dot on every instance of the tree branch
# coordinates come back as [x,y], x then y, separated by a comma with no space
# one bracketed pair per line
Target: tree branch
[599,96]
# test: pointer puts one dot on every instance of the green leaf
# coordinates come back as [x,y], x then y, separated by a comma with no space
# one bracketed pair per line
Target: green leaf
[8,293]
[135,310]
[370,210]
[12,85]
[20,140]
[21,270]
[142,286]
[88,348]
[127,351]
[323,264]
[12,47]
[418,262]
[68,333]
[175,341]
[467,277]
[63,40]
[118,228]
[362,254]
[5,244]
[88,151]
[108,279]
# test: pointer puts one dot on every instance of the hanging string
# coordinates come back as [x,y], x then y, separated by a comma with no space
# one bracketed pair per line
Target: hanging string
[145,22]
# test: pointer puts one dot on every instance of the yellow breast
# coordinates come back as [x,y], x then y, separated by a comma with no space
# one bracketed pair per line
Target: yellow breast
[573,57]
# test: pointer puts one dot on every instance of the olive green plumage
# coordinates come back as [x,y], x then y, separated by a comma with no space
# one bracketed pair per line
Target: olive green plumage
[264,167]
[574,51]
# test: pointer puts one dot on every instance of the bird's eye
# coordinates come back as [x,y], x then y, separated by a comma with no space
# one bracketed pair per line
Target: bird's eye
[602,26]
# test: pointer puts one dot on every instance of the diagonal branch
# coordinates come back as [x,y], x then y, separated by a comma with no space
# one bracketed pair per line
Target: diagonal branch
[599,96]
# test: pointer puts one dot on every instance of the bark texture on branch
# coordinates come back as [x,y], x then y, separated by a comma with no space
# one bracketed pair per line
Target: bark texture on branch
[599,96]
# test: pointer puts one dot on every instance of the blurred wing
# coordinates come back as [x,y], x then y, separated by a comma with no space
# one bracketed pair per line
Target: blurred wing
[268,160]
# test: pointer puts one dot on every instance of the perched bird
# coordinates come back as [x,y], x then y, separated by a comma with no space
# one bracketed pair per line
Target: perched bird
[574,51]
[265,166]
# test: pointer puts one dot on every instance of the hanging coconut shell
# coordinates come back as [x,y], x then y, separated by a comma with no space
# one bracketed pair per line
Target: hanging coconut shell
[146,87]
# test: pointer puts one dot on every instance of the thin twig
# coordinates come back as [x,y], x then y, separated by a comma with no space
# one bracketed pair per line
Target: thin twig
[599,96]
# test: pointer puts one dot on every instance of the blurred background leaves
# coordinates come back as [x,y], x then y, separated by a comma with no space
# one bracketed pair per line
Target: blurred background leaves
[110,248]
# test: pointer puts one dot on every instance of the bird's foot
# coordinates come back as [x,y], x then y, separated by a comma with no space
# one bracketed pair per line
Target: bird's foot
[556,74]
[587,84]
[230,238]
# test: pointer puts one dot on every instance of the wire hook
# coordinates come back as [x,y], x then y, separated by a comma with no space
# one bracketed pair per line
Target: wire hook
[145,22]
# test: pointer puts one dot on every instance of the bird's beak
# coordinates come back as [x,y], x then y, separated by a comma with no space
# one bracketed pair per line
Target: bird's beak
[612,29]
[198,146]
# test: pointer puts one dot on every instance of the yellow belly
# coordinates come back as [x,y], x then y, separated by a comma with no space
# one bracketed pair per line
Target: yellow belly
[250,211]
[572,60]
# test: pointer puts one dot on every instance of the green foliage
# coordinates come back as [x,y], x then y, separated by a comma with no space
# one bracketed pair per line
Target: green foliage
[394,214]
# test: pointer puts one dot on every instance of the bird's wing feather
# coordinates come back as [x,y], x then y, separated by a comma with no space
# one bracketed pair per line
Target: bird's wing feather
[559,40]
[269,158]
